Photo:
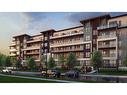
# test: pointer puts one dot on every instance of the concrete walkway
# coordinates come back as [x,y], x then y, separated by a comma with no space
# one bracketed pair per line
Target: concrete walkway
[53,80]
[111,76]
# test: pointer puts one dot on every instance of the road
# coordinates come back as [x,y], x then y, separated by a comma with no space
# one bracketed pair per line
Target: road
[55,80]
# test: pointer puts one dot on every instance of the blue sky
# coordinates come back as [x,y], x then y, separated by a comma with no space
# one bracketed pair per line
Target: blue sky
[15,23]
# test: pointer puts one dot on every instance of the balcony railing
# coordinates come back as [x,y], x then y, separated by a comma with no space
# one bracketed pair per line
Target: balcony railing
[109,55]
[106,26]
[32,48]
[67,42]
[107,36]
[107,45]
[67,50]
[32,53]
[66,35]
[34,40]
[13,50]
[12,54]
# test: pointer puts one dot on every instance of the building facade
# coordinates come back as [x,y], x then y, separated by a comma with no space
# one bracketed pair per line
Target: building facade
[103,33]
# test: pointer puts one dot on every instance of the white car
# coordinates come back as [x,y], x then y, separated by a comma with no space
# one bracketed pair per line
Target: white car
[6,71]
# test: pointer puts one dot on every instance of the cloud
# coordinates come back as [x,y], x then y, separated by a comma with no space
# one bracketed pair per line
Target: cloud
[78,16]
[11,24]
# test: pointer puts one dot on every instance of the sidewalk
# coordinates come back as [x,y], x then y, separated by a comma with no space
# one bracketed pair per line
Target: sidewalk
[55,80]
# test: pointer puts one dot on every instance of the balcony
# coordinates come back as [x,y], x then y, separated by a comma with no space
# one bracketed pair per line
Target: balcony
[106,46]
[107,26]
[67,43]
[67,35]
[13,50]
[109,56]
[34,40]
[107,37]
[68,50]
[32,53]
[12,54]
[32,48]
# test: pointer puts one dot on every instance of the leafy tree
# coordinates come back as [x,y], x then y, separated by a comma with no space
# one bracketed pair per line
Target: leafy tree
[51,63]
[8,61]
[1,55]
[3,61]
[43,59]
[61,59]
[31,63]
[18,64]
[71,61]
[97,60]
[13,61]
[125,60]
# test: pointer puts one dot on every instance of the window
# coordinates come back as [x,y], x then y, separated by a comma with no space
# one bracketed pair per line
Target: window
[87,29]
[87,46]
[87,54]
[94,32]
[94,41]
[87,38]
[113,23]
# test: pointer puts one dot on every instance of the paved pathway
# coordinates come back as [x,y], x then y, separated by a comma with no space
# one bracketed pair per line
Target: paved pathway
[55,80]
[111,76]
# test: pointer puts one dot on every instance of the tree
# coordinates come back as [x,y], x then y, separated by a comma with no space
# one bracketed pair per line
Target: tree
[31,63]
[1,55]
[125,60]
[97,60]
[13,61]
[61,59]
[18,64]
[51,63]
[43,59]
[71,61]
[8,62]
[3,61]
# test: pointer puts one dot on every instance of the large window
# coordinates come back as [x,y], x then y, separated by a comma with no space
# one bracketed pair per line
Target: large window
[87,46]
[87,54]
[87,38]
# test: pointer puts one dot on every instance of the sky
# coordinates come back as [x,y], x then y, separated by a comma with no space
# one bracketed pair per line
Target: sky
[15,23]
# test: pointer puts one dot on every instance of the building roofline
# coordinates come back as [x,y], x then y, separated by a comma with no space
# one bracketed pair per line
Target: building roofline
[36,35]
[48,31]
[69,28]
[21,35]
[92,18]
[119,16]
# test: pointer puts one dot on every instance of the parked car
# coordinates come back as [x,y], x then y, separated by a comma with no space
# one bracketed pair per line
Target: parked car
[6,71]
[52,73]
[72,74]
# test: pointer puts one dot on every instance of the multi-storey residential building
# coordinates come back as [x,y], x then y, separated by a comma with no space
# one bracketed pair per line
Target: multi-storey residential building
[90,35]
[112,40]
[67,40]
[103,33]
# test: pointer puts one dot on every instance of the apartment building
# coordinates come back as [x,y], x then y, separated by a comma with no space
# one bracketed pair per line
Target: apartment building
[68,40]
[103,33]
[112,40]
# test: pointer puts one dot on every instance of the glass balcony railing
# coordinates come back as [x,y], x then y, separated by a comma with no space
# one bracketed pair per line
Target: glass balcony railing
[66,50]
[107,45]
[66,34]
[106,26]
[107,36]
[109,55]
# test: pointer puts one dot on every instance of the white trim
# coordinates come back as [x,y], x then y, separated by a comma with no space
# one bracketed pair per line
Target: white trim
[103,39]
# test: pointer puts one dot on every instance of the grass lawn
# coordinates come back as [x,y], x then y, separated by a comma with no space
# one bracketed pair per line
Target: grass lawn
[8,79]
[110,72]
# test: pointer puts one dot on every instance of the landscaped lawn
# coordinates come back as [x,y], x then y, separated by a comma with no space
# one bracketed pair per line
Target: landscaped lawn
[8,79]
[110,72]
